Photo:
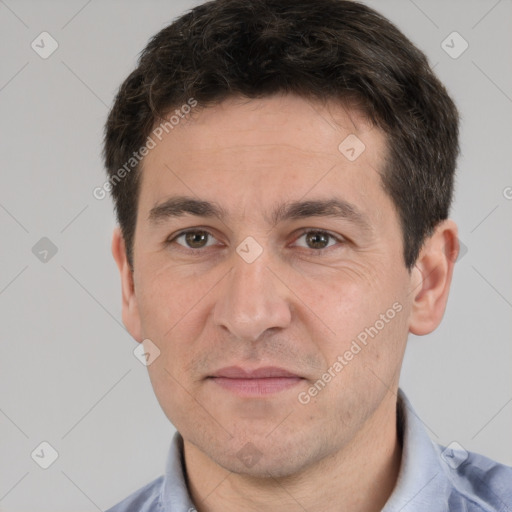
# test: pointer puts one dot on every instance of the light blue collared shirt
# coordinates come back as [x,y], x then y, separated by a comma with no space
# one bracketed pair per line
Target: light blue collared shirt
[432,478]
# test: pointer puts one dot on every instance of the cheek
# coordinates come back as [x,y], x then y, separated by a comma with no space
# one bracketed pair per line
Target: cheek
[172,392]
[345,302]
[366,318]
[166,300]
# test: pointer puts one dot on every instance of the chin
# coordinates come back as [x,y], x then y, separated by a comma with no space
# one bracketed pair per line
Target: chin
[263,468]
[285,457]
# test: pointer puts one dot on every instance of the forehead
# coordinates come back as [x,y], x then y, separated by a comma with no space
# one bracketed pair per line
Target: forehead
[281,119]
[277,147]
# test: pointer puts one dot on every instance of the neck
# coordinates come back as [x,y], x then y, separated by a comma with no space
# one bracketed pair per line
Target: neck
[359,477]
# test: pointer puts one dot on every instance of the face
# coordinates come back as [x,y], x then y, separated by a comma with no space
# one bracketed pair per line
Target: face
[268,271]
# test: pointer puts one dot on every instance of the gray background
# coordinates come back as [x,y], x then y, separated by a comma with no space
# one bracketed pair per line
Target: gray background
[67,372]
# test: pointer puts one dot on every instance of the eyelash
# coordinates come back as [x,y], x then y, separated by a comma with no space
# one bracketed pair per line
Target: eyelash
[191,250]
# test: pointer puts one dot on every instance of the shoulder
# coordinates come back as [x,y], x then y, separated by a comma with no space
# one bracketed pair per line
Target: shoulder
[146,499]
[483,483]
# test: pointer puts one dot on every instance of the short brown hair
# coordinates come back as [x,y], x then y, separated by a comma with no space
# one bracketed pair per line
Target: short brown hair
[323,49]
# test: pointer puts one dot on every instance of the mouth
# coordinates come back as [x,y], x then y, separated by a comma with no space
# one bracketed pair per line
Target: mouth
[256,382]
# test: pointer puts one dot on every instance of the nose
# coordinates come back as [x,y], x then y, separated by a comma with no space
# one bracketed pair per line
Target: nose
[252,300]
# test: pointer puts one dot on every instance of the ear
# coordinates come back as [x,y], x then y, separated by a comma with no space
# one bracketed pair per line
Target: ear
[431,278]
[131,317]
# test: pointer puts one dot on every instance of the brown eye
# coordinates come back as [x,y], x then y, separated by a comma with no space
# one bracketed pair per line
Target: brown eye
[317,239]
[194,239]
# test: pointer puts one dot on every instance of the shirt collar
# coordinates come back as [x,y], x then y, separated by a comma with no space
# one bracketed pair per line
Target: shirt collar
[421,480]
[175,495]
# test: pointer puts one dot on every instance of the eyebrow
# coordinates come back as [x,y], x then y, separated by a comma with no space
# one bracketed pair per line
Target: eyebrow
[179,206]
[334,207]
[182,205]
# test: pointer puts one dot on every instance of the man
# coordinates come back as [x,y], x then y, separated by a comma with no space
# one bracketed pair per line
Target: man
[282,172]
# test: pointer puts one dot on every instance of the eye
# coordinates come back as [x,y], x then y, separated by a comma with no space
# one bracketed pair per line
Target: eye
[315,240]
[194,239]
[318,240]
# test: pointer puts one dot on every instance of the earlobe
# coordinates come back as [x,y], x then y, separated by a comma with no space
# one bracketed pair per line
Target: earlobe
[130,310]
[431,278]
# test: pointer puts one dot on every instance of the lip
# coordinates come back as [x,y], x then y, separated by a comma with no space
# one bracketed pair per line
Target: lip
[262,381]
[265,372]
